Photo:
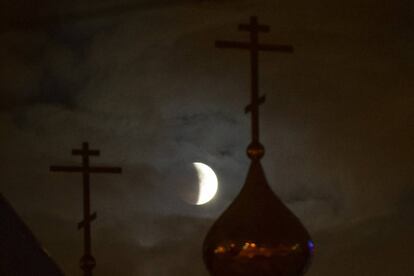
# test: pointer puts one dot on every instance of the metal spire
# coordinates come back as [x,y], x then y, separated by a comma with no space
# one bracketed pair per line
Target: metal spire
[87,262]
[255,149]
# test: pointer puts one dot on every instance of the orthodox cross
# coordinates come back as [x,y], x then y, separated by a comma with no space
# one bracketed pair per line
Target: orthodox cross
[254,47]
[87,262]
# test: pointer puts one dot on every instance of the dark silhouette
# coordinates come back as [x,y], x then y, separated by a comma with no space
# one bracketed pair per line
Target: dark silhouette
[254,47]
[20,253]
[87,262]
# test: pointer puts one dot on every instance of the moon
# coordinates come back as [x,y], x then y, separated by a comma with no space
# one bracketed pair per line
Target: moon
[207,182]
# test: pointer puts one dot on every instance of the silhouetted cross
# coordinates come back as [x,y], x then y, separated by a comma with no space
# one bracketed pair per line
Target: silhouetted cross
[87,261]
[254,47]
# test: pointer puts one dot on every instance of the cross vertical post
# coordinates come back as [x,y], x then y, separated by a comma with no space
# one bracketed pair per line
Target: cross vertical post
[87,262]
[254,47]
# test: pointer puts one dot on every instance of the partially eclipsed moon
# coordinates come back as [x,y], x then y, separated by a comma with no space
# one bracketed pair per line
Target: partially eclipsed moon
[207,182]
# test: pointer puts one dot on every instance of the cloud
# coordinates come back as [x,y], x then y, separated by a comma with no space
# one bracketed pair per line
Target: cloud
[163,245]
[150,91]
[378,246]
[145,245]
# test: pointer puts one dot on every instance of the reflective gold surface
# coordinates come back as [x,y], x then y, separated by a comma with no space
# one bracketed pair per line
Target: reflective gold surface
[257,235]
[258,259]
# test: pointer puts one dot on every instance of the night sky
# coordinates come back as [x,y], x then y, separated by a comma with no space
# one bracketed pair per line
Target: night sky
[142,81]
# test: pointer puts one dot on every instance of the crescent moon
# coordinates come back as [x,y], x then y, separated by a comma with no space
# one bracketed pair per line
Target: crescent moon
[207,182]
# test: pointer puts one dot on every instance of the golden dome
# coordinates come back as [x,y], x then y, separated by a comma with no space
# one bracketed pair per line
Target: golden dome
[257,235]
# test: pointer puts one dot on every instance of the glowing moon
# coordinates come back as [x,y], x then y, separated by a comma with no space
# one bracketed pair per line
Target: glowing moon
[207,182]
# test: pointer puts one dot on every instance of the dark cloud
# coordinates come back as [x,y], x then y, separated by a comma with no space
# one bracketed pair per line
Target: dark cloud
[378,246]
[143,244]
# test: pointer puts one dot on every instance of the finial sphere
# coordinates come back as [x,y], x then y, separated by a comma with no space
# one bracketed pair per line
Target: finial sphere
[87,262]
[255,150]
